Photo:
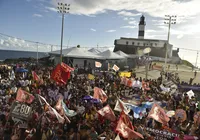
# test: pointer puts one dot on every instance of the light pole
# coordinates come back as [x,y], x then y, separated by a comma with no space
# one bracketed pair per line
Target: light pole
[63,8]
[169,20]
[37,52]
[197,58]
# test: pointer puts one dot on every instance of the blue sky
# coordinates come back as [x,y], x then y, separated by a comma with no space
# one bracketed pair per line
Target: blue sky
[93,22]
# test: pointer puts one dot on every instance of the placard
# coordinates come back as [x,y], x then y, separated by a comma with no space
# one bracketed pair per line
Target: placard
[162,134]
[20,111]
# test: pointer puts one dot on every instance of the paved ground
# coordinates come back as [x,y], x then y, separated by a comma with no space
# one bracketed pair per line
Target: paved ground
[185,73]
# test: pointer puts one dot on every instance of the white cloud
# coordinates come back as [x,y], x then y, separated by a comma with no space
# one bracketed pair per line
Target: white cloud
[126,18]
[94,30]
[180,36]
[128,14]
[131,27]
[37,15]
[51,9]
[110,31]
[155,8]
[133,22]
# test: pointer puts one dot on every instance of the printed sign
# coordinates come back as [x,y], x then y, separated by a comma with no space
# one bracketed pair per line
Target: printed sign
[162,134]
[20,111]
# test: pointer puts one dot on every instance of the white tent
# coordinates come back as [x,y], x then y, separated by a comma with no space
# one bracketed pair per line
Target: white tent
[111,55]
[122,54]
[94,51]
[75,52]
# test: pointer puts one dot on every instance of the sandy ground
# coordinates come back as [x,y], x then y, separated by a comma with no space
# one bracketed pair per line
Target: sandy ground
[184,72]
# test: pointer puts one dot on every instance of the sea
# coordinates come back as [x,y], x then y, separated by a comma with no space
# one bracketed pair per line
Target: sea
[13,54]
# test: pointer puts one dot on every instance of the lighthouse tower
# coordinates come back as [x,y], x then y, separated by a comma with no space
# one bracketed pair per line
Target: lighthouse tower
[142,25]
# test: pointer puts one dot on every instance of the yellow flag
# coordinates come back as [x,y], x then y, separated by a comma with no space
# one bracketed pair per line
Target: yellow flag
[125,74]
[91,77]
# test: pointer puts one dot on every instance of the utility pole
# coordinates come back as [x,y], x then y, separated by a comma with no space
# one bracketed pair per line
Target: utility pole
[63,9]
[197,59]
[37,52]
[51,48]
[169,20]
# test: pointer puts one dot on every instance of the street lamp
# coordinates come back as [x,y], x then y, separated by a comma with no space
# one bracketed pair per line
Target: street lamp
[37,51]
[63,8]
[169,20]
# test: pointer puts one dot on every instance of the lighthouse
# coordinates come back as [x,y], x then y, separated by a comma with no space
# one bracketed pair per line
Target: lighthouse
[142,25]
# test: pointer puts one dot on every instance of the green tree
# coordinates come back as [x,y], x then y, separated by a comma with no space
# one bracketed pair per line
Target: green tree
[78,46]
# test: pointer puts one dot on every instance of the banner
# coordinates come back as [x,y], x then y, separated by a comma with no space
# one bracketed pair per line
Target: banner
[187,87]
[20,111]
[162,134]
[125,74]
[156,67]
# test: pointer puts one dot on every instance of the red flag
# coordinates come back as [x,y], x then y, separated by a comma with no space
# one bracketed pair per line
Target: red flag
[61,73]
[35,76]
[100,94]
[107,113]
[127,132]
[158,114]
[126,120]
[23,96]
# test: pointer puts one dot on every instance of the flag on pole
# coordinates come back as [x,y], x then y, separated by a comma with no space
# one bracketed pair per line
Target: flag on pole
[158,114]
[107,113]
[98,64]
[120,106]
[23,96]
[61,73]
[100,94]
[35,76]
[51,109]
[115,68]
[127,132]
[68,112]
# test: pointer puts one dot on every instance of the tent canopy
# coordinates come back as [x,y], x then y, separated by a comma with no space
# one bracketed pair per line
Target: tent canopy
[75,52]
[110,55]
[122,54]
[94,51]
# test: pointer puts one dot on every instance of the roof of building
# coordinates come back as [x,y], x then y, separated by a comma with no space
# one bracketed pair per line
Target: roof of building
[110,55]
[75,52]
[143,39]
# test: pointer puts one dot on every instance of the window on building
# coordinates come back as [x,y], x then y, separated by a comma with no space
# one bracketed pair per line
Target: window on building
[155,44]
[138,43]
[132,43]
[151,44]
[126,42]
[144,44]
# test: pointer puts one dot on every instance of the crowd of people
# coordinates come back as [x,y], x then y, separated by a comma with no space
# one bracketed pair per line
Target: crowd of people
[86,123]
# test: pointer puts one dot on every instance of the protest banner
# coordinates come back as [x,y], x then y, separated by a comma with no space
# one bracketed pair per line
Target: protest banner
[162,134]
[156,67]
[20,111]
